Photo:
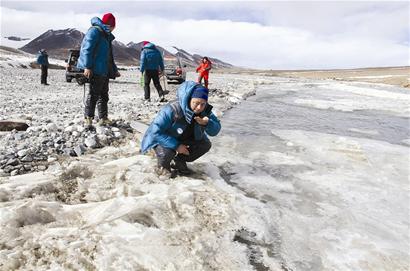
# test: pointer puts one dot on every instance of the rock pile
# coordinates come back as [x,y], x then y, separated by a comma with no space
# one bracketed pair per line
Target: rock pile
[35,148]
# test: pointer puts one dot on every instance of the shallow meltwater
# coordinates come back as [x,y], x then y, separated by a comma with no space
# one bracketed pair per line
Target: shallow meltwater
[330,166]
[281,106]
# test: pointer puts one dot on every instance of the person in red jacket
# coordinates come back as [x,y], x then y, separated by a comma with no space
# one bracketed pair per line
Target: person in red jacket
[203,70]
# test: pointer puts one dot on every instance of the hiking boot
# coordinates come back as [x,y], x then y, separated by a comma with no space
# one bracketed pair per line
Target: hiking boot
[164,173]
[88,122]
[162,99]
[104,122]
[165,92]
[181,167]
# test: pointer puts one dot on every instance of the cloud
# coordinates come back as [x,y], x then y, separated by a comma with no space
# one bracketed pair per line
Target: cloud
[261,46]
[269,35]
[32,24]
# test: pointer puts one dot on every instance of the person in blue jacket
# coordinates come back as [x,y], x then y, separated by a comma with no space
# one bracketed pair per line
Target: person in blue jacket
[178,134]
[42,60]
[151,64]
[97,60]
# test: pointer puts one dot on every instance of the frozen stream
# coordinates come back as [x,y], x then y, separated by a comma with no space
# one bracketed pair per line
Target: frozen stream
[329,162]
[324,108]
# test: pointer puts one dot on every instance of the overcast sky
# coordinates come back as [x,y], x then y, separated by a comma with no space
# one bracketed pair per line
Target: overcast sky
[258,34]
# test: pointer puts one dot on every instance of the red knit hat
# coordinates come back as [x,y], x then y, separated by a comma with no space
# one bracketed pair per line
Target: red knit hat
[109,19]
[145,43]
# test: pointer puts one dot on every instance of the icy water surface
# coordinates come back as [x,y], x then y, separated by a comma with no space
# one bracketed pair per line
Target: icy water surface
[329,162]
[275,107]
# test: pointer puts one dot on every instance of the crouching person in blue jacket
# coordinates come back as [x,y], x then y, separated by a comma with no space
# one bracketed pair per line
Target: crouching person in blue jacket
[178,134]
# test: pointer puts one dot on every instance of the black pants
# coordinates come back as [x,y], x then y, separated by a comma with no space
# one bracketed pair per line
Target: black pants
[148,75]
[196,150]
[97,95]
[44,73]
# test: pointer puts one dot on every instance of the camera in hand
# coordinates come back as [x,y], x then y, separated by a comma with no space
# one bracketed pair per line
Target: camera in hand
[81,79]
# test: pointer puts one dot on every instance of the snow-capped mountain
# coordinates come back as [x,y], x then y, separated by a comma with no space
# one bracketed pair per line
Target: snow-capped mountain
[193,60]
[58,42]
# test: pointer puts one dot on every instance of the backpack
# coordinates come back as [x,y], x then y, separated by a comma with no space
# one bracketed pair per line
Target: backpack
[39,59]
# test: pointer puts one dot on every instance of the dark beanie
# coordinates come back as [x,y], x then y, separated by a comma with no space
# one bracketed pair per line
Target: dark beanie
[200,92]
[109,19]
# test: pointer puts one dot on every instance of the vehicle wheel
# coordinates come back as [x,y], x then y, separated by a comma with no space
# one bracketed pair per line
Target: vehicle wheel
[68,79]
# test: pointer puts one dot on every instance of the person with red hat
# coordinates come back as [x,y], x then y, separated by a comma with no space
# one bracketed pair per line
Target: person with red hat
[151,64]
[97,60]
[109,19]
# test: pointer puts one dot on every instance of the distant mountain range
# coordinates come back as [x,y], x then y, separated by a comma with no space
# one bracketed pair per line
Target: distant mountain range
[16,38]
[58,42]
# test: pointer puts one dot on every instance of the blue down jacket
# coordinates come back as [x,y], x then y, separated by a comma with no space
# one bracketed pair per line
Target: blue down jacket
[151,58]
[97,57]
[42,58]
[166,128]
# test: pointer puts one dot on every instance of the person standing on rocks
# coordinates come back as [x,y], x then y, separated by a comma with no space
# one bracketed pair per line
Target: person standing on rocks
[203,69]
[178,134]
[42,60]
[151,65]
[97,60]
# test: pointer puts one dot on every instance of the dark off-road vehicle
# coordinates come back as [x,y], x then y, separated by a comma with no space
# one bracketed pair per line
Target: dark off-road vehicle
[174,70]
[71,71]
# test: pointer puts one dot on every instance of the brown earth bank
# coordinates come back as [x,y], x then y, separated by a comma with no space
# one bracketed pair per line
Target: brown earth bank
[397,76]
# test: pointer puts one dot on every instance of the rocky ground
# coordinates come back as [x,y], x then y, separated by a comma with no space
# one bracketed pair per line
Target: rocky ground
[54,114]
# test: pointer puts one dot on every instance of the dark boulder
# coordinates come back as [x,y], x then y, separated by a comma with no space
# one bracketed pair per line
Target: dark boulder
[6,125]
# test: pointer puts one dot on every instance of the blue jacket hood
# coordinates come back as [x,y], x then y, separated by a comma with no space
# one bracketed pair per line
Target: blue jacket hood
[97,22]
[184,94]
[150,45]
